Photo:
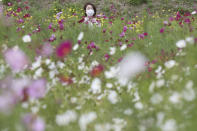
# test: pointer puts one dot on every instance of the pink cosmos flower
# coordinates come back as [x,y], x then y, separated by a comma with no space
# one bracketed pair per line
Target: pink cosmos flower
[61,26]
[162,30]
[50,26]
[33,122]
[16,59]
[7,103]
[37,89]
[9,4]
[141,36]
[124,28]
[47,50]
[64,49]
[52,38]
[107,56]
[122,34]
[145,34]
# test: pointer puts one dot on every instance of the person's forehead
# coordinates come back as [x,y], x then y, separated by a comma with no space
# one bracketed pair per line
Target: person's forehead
[89,6]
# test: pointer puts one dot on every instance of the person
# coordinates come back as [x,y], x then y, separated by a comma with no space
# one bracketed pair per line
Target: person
[90,15]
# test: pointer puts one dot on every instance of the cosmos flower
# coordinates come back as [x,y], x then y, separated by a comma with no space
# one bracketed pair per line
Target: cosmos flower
[193,13]
[122,34]
[162,30]
[46,50]
[10,4]
[65,79]
[181,44]
[58,15]
[16,59]
[26,16]
[50,26]
[165,23]
[80,36]
[52,38]
[124,28]
[66,118]
[85,119]
[95,86]
[190,40]
[97,70]
[26,38]
[141,36]
[37,88]
[64,49]
[130,66]
[107,56]
[61,26]
[7,102]
[113,97]
[33,122]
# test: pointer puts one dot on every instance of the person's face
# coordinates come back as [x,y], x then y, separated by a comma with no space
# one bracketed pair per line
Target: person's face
[89,7]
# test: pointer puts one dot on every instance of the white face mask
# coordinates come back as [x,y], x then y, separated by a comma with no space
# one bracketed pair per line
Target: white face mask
[90,12]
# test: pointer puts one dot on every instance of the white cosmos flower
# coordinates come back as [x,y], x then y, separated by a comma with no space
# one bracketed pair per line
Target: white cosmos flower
[96,86]
[113,97]
[169,64]
[112,50]
[38,73]
[194,12]
[169,125]
[26,38]
[66,118]
[52,66]
[175,98]
[189,93]
[156,98]
[181,44]
[85,119]
[47,61]
[60,64]
[123,47]
[37,63]
[80,37]
[112,73]
[76,46]
[190,40]
[128,111]
[109,85]
[160,83]
[139,106]
[130,66]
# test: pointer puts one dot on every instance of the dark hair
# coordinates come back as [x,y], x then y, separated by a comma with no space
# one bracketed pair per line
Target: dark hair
[94,8]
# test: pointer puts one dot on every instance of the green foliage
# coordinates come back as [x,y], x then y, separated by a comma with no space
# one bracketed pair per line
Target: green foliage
[6,1]
[137,2]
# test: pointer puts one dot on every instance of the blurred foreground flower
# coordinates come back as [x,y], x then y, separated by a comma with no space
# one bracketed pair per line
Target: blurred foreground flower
[64,49]
[97,70]
[33,122]
[130,66]
[16,59]
[37,88]
[14,91]
[47,50]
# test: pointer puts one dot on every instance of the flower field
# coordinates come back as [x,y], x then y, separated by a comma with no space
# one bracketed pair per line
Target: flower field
[129,74]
